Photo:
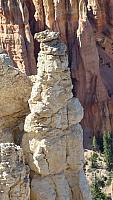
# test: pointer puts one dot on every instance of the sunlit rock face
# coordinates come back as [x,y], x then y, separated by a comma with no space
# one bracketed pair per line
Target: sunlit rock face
[15,89]
[93,19]
[53,139]
[14,174]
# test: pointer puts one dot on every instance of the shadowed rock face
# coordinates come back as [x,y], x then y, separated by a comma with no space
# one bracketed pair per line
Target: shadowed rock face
[86,27]
[15,34]
[53,139]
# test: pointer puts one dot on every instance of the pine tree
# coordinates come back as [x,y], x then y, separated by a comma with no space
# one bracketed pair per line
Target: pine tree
[94,155]
[94,143]
[96,189]
[107,145]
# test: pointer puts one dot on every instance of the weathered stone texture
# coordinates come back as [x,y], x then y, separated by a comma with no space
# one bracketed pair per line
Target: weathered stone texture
[92,76]
[95,19]
[15,89]
[14,174]
[53,139]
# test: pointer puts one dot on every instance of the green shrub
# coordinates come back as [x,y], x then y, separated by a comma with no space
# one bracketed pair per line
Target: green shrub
[93,159]
[96,189]
[109,178]
[107,145]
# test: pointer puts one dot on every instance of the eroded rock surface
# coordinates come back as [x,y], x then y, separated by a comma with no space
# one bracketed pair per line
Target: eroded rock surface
[92,80]
[91,89]
[20,19]
[14,174]
[53,139]
[15,35]
[15,89]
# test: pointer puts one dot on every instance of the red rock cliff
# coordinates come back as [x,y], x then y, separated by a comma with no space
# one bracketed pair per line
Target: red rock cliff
[86,27]
[15,35]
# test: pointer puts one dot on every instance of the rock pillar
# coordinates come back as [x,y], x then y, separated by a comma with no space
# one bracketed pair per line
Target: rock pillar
[53,139]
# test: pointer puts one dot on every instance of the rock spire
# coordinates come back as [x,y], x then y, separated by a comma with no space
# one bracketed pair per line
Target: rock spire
[53,139]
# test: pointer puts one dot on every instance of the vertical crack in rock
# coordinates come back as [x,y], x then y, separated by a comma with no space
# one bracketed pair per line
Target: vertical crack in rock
[46,138]
[45,157]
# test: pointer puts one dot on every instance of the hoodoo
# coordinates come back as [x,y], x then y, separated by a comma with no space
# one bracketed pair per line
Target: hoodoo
[53,139]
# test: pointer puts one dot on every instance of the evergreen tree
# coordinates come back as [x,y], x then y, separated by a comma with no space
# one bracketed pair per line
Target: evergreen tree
[94,157]
[96,190]
[107,145]
[94,143]
[100,143]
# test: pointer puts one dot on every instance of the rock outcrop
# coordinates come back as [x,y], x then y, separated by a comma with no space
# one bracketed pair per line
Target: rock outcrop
[86,27]
[53,139]
[15,89]
[14,174]
[93,19]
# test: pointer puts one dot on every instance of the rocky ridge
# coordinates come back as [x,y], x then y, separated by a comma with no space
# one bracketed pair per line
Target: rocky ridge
[53,139]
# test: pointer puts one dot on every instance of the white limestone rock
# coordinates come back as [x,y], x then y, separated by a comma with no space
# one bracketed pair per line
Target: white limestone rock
[14,174]
[15,89]
[53,139]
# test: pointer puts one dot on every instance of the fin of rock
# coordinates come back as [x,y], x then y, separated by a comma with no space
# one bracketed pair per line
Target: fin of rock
[53,139]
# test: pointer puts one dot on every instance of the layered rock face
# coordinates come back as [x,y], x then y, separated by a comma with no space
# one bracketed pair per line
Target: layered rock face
[15,35]
[53,139]
[14,174]
[86,27]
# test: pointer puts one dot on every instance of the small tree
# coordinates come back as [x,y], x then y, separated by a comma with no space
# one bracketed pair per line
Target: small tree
[94,143]
[94,157]
[96,189]
[107,145]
